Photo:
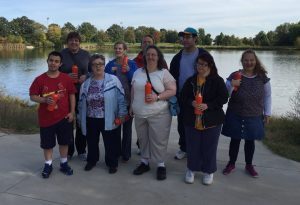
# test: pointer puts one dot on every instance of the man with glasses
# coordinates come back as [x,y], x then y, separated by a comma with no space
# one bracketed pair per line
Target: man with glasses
[74,56]
[182,67]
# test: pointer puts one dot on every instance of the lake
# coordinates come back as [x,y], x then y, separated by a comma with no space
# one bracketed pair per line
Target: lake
[19,68]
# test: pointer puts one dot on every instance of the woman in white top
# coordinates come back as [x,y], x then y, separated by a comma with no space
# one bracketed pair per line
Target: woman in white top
[152,118]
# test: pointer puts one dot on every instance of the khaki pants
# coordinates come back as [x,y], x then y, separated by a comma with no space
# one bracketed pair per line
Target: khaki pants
[153,135]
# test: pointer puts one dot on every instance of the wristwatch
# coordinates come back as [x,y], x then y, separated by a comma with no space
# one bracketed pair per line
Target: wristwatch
[157,98]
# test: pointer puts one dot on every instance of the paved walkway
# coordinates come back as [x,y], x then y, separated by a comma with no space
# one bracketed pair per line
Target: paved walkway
[21,183]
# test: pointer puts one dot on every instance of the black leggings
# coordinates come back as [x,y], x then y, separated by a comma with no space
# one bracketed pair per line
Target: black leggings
[249,148]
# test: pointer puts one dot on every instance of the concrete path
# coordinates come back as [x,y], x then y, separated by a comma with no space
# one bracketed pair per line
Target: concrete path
[21,182]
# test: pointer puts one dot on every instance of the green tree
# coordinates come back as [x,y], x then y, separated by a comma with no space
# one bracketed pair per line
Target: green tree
[65,30]
[261,39]
[204,39]
[140,32]
[115,32]
[282,35]
[39,35]
[247,41]
[172,36]
[54,34]
[88,30]
[129,35]
[4,27]
[294,32]
[163,35]
[219,39]
[201,36]
[272,37]
[14,39]
[23,27]
[207,40]
[297,42]
[101,37]
[226,40]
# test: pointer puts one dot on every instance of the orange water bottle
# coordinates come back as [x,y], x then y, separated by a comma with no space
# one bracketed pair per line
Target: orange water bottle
[148,90]
[52,106]
[237,76]
[75,72]
[119,120]
[198,100]
[124,64]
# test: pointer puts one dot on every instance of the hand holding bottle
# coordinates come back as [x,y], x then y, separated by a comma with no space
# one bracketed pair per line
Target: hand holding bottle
[236,81]
[148,92]
[52,102]
[198,102]
[121,120]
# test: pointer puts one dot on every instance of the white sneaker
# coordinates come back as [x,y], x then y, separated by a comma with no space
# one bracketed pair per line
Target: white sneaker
[180,155]
[189,177]
[82,157]
[207,178]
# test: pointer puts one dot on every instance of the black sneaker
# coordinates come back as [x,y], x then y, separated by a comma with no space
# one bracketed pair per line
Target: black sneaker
[142,168]
[161,173]
[112,170]
[66,169]
[47,171]
[125,159]
[89,166]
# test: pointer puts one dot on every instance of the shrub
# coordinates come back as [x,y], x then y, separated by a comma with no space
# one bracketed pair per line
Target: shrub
[17,115]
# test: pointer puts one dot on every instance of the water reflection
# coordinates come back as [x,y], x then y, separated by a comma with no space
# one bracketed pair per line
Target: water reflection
[19,68]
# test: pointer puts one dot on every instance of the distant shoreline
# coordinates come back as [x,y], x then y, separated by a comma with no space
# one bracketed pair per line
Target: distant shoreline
[163,46]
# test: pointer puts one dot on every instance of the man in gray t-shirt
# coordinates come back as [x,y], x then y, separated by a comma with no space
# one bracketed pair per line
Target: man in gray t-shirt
[182,67]
[74,55]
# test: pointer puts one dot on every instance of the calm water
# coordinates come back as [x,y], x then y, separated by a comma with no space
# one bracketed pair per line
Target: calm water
[19,68]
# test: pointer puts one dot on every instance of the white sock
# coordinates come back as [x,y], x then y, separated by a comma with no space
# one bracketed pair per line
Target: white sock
[49,162]
[63,160]
[145,161]
[161,164]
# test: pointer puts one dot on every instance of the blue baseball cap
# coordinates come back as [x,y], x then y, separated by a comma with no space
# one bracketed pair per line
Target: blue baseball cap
[188,31]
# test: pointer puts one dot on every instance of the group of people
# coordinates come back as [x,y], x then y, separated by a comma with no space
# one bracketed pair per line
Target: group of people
[105,99]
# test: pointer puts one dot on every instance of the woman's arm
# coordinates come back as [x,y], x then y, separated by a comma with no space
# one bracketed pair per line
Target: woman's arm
[267,99]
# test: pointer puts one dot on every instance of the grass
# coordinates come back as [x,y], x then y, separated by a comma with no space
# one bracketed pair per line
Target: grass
[283,137]
[17,115]
[178,46]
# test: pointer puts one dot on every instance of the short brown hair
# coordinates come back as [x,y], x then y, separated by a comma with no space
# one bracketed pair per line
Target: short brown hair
[73,34]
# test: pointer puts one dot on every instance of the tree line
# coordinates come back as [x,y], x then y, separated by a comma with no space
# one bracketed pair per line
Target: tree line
[29,32]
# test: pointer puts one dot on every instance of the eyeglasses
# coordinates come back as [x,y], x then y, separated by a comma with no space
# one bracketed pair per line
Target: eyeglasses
[98,64]
[185,37]
[202,65]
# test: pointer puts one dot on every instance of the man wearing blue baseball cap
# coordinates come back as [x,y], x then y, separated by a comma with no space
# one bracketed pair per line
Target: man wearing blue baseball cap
[182,67]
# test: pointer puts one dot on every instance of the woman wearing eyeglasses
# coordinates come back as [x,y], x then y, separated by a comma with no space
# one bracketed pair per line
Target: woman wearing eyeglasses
[152,115]
[203,117]
[101,102]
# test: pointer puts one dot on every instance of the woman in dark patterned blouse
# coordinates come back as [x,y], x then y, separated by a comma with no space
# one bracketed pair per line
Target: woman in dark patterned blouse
[248,109]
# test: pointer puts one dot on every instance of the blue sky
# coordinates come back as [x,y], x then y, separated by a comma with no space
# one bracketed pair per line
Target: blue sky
[242,18]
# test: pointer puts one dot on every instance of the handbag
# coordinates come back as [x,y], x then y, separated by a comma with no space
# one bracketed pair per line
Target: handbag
[172,101]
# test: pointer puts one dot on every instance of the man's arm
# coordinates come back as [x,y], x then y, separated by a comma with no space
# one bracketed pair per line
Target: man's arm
[71,115]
